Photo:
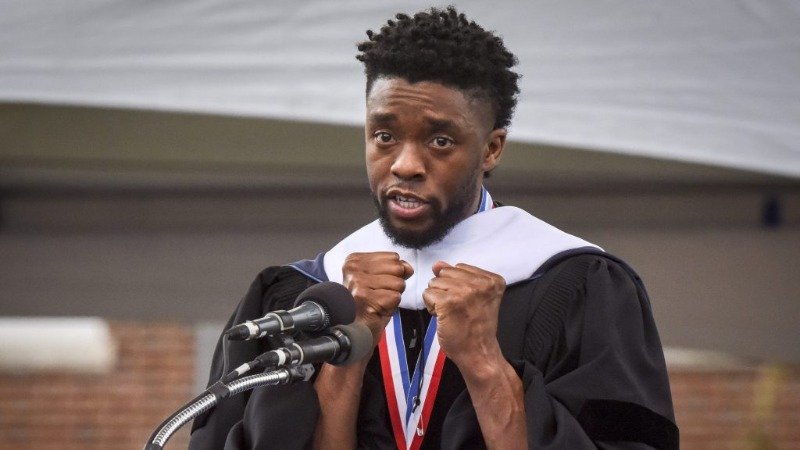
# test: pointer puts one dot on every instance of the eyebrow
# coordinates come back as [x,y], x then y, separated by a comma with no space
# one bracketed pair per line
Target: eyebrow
[434,125]
[441,124]
[382,118]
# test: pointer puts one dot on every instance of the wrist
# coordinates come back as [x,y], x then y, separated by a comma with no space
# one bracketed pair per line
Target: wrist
[354,370]
[484,364]
[338,379]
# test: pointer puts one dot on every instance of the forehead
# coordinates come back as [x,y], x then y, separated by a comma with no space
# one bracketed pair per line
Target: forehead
[396,96]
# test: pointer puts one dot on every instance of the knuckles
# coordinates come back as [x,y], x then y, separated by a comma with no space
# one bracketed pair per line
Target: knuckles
[488,283]
[364,275]
[353,263]
[492,283]
[359,292]
[372,263]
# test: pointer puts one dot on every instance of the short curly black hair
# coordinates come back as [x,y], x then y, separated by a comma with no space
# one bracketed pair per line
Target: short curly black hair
[445,47]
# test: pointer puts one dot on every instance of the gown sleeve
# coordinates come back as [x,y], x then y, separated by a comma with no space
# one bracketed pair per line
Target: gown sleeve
[267,417]
[591,364]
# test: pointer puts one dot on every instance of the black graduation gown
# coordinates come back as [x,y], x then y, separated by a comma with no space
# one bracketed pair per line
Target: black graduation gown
[581,336]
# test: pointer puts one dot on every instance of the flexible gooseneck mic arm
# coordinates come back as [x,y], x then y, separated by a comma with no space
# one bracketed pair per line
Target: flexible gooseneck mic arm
[220,391]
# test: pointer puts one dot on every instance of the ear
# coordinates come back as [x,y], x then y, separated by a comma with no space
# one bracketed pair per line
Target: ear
[493,150]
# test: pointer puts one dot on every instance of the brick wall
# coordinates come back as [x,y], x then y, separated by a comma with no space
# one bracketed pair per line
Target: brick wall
[745,408]
[117,411]
[742,408]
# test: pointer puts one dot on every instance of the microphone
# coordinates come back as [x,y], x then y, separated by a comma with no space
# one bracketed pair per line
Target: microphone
[320,306]
[338,345]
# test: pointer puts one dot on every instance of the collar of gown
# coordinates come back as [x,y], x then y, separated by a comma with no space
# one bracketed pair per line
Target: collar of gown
[505,240]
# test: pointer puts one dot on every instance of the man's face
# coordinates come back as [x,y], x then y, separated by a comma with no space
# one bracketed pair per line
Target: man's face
[427,147]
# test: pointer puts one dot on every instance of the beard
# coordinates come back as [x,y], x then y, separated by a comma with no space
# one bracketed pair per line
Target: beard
[444,219]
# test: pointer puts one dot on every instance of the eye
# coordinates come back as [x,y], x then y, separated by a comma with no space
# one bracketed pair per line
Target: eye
[442,142]
[383,137]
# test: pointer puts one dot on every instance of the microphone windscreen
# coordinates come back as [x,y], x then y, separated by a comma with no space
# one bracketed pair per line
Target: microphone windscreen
[335,298]
[360,342]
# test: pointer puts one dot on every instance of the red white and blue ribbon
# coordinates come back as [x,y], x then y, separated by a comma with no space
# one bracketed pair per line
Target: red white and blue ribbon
[409,408]
[410,399]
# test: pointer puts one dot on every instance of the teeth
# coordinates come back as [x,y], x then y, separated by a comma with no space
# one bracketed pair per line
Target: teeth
[407,202]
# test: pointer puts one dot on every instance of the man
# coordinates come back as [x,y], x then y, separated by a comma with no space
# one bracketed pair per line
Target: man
[491,328]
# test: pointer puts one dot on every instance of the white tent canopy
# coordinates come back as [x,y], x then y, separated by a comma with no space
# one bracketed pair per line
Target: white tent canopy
[713,82]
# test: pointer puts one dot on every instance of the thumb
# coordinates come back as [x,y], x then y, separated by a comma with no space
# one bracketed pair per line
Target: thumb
[407,270]
[438,266]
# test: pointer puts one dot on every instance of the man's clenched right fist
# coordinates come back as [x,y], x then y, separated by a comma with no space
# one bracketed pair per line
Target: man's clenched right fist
[376,281]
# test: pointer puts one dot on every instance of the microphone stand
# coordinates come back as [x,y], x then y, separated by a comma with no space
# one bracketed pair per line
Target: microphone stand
[220,391]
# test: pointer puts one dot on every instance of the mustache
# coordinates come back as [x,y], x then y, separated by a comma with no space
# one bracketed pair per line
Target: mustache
[402,185]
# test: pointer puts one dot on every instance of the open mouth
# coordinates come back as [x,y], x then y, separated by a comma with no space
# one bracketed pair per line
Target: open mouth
[408,202]
[406,207]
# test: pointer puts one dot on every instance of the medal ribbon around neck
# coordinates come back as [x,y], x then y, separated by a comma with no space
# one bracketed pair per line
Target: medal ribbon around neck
[410,400]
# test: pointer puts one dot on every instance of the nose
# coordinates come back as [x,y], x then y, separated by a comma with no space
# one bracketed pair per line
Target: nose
[409,163]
